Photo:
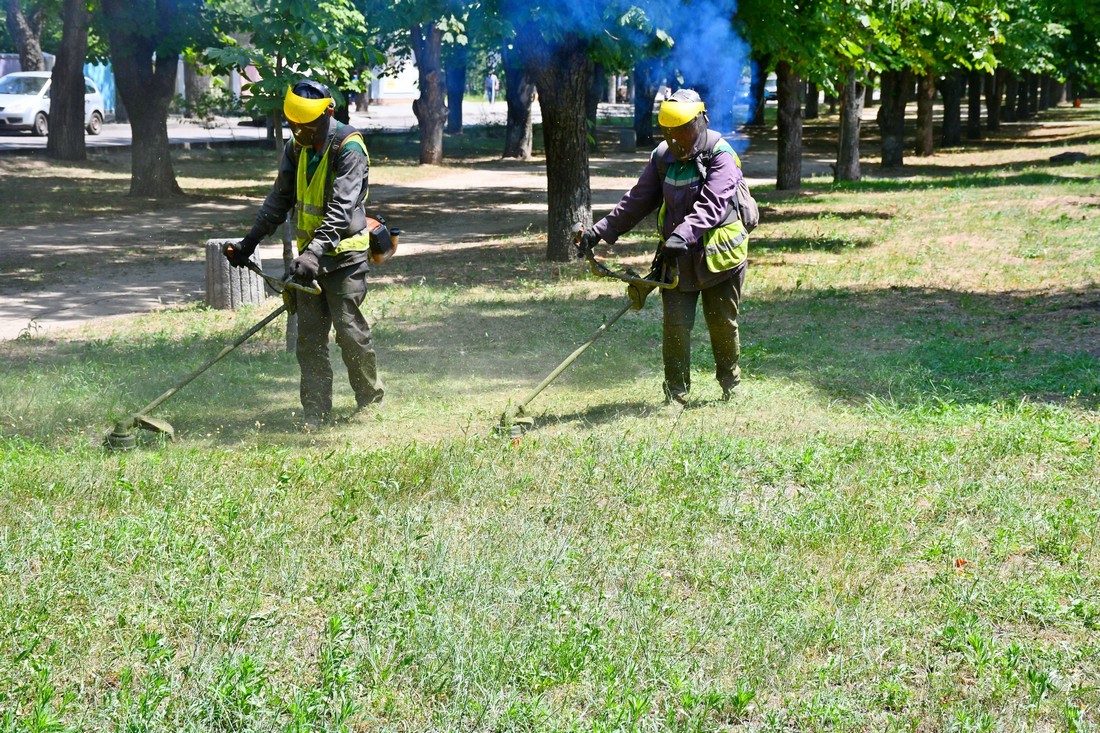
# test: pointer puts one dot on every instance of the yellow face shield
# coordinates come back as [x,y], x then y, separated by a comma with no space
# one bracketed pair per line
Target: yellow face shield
[675,114]
[301,110]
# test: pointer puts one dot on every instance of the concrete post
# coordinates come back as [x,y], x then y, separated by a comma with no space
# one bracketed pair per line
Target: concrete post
[228,287]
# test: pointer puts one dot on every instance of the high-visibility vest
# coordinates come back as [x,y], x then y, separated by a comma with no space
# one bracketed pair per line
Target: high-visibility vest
[313,193]
[726,245]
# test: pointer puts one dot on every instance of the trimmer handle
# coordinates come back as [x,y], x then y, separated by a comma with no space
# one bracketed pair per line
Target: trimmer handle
[287,283]
[667,275]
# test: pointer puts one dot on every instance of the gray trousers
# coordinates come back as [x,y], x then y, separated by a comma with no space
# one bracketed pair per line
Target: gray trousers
[721,304]
[342,292]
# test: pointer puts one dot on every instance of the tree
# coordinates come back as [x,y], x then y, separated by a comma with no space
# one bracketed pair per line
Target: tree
[66,138]
[789,157]
[430,107]
[286,37]
[852,100]
[418,29]
[456,64]
[788,31]
[25,27]
[560,67]
[146,39]
[519,94]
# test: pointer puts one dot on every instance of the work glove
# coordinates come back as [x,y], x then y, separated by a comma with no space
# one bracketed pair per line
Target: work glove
[587,241]
[675,247]
[305,267]
[238,254]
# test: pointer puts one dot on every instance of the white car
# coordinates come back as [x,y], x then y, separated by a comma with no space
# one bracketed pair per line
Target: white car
[25,103]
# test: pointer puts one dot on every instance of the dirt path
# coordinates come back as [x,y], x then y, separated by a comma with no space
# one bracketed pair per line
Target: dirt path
[66,275]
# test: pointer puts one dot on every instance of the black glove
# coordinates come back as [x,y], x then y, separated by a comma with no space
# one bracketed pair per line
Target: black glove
[238,254]
[587,241]
[305,267]
[675,246]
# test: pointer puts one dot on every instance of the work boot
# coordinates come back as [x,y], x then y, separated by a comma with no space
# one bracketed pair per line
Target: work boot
[674,396]
[312,423]
[730,393]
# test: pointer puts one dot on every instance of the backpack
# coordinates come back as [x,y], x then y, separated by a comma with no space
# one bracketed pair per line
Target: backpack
[747,209]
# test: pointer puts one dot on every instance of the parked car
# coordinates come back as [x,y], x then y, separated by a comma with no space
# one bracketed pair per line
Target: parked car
[25,103]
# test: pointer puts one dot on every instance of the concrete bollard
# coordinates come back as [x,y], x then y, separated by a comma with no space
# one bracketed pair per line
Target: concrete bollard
[228,287]
[628,140]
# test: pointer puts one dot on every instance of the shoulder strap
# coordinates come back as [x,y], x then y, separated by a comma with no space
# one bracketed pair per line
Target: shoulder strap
[702,160]
[341,136]
[660,160]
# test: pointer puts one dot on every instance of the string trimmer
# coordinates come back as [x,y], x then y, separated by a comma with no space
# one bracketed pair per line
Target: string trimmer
[122,436]
[661,275]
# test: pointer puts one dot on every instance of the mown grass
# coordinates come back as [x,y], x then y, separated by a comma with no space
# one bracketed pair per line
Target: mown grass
[894,527]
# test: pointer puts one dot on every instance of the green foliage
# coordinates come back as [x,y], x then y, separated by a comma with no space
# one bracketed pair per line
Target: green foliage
[288,39]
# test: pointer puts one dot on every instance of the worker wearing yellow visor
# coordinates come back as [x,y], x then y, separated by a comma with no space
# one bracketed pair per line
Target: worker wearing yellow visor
[690,181]
[308,116]
[684,126]
[323,176]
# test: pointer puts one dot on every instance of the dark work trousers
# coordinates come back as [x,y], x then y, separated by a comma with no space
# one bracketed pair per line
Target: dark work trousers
[721,303]
[342,292]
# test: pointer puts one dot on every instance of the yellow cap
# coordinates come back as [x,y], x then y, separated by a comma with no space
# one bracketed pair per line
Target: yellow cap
[675,114]
[302,110]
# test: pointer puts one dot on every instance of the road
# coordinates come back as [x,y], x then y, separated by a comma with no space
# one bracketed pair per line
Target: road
[396,117]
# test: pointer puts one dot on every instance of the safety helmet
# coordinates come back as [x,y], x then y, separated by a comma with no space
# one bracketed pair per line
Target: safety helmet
[681,108]
[306,101]
[683,120]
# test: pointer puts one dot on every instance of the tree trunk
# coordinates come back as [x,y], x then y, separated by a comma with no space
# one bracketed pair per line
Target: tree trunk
[1045,91]
[456,86]
[812,105]
[596,91]
[1033,93]
[852,99]
[648,76]
[756,92]
[147,90]
[974,107]
[1058,94]
[519,95]
[26,33]
[561,73]
[893,94]
[122,117]
[1023,98]
[789,160]
[994,99]
[869,93]
[195,84]
[66,137]
[926,96]
[1012,93]
[951,92]
[430,107]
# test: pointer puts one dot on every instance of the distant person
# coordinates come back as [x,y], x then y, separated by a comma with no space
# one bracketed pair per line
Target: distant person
[690,181]
[492,86]
[323,169]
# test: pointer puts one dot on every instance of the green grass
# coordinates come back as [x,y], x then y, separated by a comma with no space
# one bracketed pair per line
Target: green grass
[894,528]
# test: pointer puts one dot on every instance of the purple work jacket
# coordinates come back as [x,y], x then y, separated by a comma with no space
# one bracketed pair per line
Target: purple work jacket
[693,207]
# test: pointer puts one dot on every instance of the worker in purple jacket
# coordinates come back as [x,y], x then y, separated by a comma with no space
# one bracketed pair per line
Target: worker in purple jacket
[690,180]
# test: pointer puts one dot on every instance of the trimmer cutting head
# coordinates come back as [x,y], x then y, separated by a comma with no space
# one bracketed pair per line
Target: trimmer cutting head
[122,436]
